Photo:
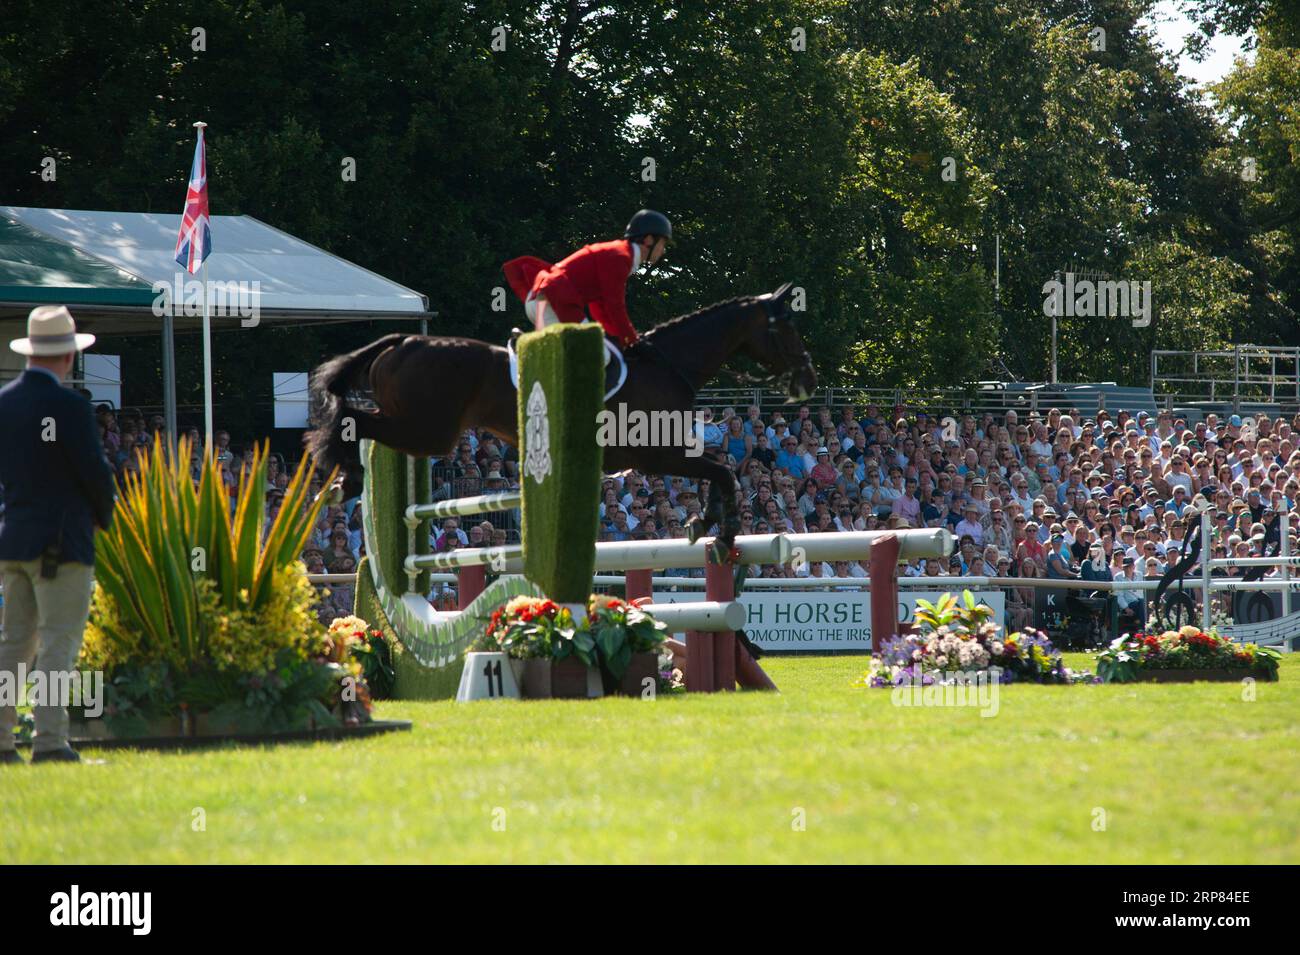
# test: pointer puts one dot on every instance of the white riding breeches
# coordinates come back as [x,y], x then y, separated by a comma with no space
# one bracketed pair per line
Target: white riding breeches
[541,314]
[539,311]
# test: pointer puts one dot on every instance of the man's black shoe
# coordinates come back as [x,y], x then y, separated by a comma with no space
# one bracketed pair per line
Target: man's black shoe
[10,757]
[65,755]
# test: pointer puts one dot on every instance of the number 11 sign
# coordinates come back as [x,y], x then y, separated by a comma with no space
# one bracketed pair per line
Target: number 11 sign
[487,676]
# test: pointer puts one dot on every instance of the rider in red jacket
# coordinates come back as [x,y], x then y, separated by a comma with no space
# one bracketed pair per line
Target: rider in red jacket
[592,279]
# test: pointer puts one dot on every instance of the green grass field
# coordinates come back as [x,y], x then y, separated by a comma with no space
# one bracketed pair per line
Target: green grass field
[1183,774]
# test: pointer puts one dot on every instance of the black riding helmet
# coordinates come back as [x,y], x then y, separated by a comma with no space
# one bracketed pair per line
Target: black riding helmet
[648,222]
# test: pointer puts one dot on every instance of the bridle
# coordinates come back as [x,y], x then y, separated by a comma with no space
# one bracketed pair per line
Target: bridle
[798,361]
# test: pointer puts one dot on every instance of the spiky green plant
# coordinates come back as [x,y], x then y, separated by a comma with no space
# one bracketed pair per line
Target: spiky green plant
[168,537]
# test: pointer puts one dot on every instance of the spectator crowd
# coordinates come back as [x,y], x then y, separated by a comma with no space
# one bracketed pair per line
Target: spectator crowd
[1056,495]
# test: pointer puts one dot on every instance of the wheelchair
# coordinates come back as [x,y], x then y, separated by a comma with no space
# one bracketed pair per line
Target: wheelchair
[1087,612]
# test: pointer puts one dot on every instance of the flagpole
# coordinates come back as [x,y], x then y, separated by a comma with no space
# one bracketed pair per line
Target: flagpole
[209,444]
[207,365]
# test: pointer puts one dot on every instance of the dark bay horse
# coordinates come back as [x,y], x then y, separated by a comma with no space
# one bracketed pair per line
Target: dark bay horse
[428,390]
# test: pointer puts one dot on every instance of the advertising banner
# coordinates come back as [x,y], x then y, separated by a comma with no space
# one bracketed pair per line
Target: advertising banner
[822,621]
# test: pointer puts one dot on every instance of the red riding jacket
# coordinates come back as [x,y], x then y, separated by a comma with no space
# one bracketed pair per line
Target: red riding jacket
[595,277]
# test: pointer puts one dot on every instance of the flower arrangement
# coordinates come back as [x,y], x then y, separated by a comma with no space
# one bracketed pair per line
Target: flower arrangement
[1159,623]
[350,640]
[671,678]
[607,636]
[954,640]
[1187,649]
[204,621]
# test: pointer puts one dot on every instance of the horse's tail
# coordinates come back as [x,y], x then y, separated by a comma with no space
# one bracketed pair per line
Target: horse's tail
[328,389]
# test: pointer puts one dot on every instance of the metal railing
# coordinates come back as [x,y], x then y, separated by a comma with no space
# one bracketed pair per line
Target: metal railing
[1232,378]
[986,397]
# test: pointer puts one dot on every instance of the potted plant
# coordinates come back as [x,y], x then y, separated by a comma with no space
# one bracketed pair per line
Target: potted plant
[613,648]
[953,640]
[627,643]
[558,660]
[1183,656]
[203,622]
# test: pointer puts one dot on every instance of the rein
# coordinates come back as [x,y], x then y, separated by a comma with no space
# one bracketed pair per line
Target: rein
[802,360]
[648,346]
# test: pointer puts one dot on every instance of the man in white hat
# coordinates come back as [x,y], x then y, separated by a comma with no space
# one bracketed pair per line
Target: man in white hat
[57,489]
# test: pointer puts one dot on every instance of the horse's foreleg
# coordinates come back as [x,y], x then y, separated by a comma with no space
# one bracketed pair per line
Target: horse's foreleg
[720,509]
[724,487]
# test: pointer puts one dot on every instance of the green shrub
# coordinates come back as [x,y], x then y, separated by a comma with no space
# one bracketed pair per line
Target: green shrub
[179,581]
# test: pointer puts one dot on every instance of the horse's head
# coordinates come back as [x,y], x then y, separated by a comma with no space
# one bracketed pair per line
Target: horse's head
[775,343]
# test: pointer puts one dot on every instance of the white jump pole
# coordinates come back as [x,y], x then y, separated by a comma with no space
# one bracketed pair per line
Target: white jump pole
[1207,552]
[1285,553]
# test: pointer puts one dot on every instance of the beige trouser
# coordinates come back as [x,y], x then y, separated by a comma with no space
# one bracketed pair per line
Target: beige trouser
[44,621]
[542,314]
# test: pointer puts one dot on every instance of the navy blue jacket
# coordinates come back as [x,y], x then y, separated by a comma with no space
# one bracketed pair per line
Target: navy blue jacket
[60,488]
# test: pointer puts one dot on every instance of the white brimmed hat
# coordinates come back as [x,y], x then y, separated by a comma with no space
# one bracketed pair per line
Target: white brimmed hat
[51,331]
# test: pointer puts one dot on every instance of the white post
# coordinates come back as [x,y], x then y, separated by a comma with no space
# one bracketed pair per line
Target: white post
[207,330]
[997,267]
[411,529]
[1207,552]
[207,365]
[1285,552]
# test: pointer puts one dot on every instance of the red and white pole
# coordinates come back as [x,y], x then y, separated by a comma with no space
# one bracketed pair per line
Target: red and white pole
[470,582]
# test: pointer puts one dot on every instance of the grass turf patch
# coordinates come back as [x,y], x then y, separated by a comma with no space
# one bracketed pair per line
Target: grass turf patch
[1183,773]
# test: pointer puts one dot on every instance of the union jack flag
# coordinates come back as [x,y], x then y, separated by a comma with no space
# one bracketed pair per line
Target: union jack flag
[194,243]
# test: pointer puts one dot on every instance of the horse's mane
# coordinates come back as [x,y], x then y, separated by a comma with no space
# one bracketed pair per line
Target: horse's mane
[674,323]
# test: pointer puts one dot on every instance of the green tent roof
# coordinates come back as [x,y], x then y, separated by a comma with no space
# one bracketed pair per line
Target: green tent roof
[37,268]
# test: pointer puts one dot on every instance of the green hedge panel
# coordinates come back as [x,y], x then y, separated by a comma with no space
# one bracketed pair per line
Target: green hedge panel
[386,484]
[561,391]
